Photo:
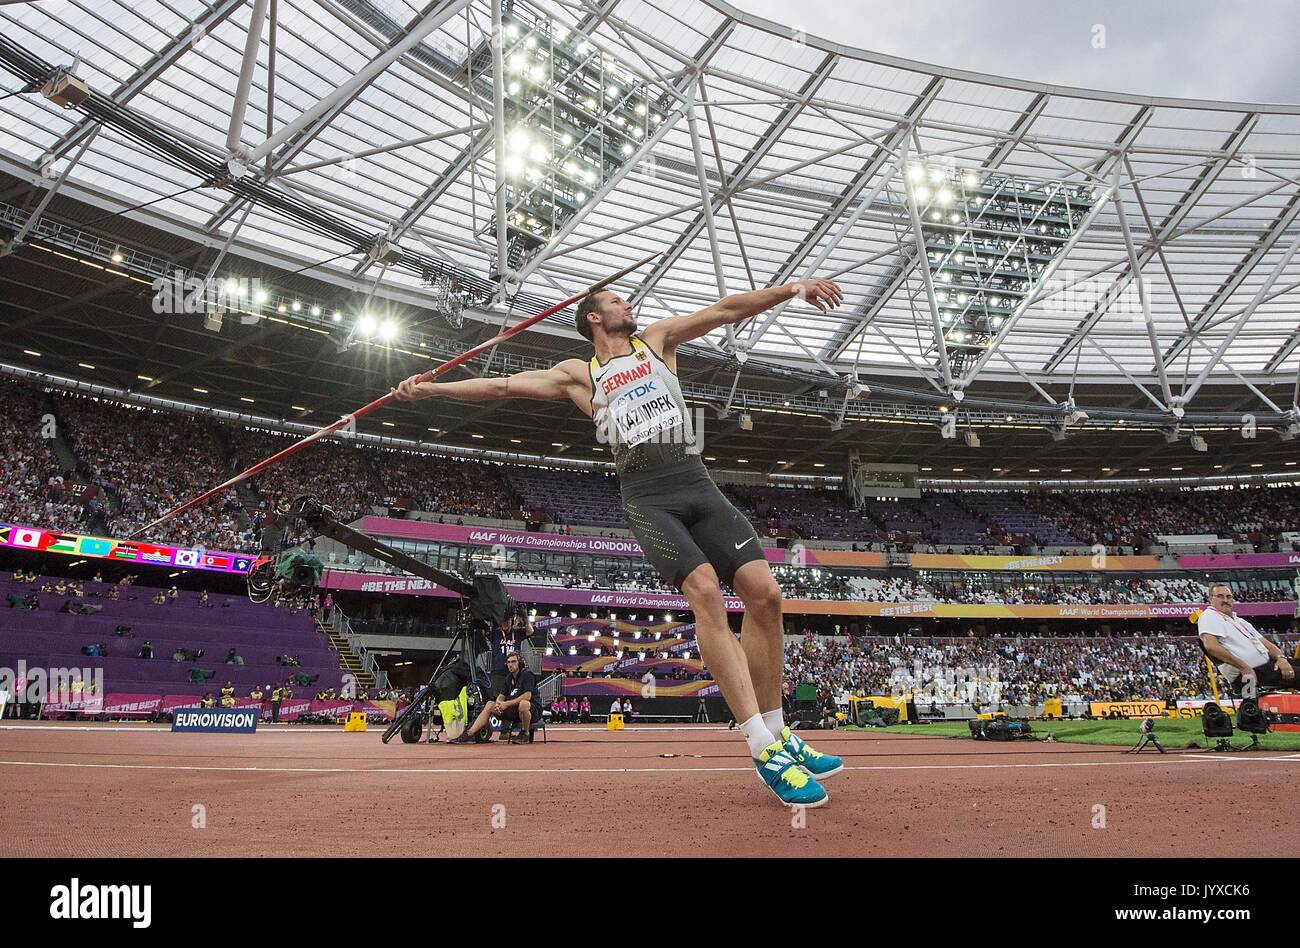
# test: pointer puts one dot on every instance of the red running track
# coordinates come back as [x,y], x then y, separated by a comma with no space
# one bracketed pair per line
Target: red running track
[131,790]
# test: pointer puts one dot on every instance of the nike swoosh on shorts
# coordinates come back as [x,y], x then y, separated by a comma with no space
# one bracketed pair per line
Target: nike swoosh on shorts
[739,545]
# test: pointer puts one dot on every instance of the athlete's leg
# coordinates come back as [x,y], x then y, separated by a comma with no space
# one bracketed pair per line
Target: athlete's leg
[761,631]
[718,646]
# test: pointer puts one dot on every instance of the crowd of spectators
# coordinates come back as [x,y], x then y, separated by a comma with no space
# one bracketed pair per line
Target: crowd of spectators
[996,672]
[33,488]
[460,488]
[815,583]
[147,462]
[134,463]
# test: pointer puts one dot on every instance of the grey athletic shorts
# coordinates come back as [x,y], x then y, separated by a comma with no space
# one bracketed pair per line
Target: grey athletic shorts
[682,521]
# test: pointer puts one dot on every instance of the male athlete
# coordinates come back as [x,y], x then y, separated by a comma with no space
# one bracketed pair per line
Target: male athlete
[694,537]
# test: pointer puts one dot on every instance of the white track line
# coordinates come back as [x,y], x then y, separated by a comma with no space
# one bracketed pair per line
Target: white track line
[534,771]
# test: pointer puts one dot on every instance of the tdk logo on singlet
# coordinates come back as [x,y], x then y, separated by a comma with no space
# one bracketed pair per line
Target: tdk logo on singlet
[645,388]
[619,379]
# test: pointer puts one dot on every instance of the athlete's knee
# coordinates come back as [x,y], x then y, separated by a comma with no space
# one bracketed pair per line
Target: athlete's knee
[756,585]
[765,596]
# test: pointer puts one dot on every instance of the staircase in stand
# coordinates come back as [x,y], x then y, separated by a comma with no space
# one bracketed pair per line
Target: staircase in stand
[348,661]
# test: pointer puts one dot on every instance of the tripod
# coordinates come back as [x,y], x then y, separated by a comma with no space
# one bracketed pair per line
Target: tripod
[468,643]
[1147,740]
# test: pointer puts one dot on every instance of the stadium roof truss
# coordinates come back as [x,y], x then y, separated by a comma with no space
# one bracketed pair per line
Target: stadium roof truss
[396,149]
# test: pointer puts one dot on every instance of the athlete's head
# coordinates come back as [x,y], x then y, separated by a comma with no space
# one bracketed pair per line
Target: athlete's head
[605,312]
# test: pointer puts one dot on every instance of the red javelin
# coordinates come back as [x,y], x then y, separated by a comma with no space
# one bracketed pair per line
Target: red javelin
[383,400]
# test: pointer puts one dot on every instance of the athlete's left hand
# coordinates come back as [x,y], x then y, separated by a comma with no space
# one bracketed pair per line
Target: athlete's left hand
[823,294]
[1283,666]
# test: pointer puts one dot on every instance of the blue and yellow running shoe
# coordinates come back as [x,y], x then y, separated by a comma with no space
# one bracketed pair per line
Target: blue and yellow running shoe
[783,777]
[814,762]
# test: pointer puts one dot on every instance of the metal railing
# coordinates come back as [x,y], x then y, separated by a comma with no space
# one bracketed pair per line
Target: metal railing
[339,622]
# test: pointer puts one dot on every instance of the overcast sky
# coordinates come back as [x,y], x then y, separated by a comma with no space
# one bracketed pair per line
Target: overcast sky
[1243,51]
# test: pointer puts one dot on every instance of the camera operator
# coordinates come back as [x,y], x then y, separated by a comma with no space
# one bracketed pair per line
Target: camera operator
[1244,657]
[516,703]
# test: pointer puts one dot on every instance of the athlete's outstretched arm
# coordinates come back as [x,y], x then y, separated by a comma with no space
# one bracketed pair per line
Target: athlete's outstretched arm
[553,384]
[739,307]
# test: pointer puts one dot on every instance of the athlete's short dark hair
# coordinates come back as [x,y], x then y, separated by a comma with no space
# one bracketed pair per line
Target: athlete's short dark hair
[590,304]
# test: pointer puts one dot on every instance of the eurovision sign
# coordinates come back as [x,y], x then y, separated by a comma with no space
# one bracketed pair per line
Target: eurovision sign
[216,720]
[37,540]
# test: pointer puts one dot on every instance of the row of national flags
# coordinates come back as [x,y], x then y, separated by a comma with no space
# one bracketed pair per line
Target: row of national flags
[73,544]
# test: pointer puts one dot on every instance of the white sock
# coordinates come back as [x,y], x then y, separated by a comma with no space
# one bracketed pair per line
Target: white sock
[775,722]
[757,736]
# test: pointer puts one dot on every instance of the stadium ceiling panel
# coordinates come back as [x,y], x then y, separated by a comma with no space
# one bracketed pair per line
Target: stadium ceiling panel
[780,154]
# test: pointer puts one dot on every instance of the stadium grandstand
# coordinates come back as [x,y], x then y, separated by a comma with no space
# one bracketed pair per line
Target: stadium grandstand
[996,381]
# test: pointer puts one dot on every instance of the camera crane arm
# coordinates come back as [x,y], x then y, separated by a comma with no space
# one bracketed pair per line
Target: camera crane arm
[321,519]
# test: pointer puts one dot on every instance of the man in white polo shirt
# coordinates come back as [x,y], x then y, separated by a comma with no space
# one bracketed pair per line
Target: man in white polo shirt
[1240,651]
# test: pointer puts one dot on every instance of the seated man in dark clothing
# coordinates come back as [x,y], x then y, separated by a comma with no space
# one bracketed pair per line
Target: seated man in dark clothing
[146,650]
[517,703]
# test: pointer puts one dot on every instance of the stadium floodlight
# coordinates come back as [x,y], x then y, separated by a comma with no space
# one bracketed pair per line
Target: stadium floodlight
[366,325]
